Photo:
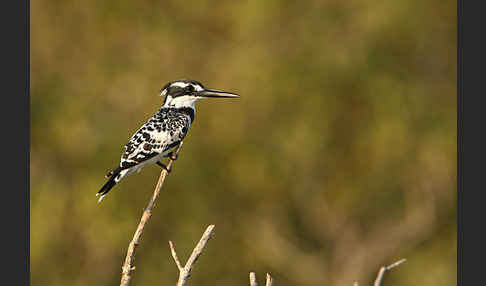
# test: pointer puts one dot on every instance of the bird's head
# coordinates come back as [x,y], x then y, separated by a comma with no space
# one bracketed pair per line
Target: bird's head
[185,93]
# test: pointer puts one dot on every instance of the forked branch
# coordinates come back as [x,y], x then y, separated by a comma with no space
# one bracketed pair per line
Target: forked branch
[185,272]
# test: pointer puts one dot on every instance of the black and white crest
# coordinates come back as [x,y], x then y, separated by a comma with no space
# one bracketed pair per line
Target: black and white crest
[165,130]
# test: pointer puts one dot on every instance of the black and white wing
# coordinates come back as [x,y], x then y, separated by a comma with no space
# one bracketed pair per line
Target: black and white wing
[157,136]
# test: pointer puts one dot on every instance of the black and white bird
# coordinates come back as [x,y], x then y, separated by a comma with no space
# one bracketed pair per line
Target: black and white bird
[164,131]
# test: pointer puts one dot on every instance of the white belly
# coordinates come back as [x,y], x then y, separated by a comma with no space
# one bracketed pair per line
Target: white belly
[139,167]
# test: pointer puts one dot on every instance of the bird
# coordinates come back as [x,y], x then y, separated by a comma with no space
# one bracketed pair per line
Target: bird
[156,139]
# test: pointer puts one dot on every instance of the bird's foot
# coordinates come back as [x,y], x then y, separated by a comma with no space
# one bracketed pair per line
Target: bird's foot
[164,166]
[173,156]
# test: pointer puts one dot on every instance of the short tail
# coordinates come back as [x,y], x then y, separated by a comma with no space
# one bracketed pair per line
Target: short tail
[114,177]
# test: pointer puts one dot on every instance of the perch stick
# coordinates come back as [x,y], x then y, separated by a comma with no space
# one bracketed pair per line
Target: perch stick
[128,267]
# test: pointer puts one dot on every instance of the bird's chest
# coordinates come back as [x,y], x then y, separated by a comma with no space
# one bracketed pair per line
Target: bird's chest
[171,128]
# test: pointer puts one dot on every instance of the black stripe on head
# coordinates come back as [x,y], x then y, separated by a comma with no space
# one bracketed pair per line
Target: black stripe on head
[175,91]
[165,86]
[190,81]
[194,82]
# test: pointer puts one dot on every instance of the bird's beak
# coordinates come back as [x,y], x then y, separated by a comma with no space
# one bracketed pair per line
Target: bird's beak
[216,93]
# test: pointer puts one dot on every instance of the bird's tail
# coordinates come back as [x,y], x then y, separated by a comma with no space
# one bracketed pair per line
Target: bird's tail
[114,177]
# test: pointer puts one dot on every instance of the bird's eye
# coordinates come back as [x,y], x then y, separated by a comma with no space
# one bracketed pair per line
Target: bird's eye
[190,88]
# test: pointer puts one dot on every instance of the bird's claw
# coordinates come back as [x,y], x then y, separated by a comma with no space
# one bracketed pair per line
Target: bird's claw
[173,156]
[164,167]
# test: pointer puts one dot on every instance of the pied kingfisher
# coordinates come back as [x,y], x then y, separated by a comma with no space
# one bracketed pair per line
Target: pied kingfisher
[164,131]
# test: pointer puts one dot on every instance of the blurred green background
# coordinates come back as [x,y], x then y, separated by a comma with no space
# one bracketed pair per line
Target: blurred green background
[339,157]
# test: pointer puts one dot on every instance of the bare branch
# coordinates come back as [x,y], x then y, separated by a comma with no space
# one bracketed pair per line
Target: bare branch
[185,272]
[379,277]
[199,247]
[269,280]
[393,265]
[174,255]
[383,269]
[253,281]
[128,267]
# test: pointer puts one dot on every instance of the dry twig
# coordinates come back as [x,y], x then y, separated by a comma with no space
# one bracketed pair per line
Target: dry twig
[185,272]
[269,280]
[383,269]
[253,281]
[128,267]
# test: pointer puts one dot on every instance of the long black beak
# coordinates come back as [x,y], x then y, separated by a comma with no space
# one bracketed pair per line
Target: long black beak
[216,93]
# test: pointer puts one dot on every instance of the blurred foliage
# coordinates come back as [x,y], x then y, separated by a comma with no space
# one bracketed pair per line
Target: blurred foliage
[339,157]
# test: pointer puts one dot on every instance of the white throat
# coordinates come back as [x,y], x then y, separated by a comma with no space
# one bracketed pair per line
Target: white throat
[181,101]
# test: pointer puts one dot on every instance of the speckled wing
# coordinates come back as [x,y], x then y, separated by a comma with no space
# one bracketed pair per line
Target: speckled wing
[158,135]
